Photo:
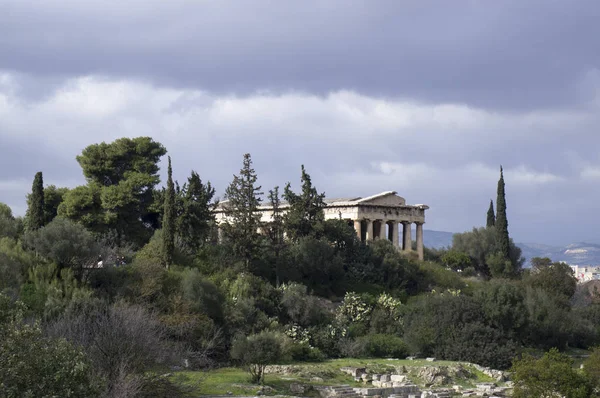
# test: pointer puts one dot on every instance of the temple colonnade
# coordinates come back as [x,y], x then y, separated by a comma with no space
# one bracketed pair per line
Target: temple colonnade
[369,230]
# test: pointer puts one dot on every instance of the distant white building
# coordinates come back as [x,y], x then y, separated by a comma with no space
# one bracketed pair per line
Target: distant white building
[586,273]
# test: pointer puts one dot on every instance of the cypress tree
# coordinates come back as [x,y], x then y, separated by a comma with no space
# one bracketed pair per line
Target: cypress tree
[275,229]
[503,240]
[35,210]
[491,217]
[168,226]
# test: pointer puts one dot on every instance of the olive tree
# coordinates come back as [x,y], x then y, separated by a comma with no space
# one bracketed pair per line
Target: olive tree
[257,351]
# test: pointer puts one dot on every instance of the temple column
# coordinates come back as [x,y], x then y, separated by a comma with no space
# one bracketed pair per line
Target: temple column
[358,229]
[395,237]
[369,236]
[406,236]
[382,230]
[420,240]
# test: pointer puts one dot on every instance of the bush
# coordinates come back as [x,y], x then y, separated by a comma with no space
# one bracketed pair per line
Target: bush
[550,376]
[302,308]
[122,341]
[14,264]
[66,243]
[32,365]
[384,346]
[257,351]
[303,352]
[202,294]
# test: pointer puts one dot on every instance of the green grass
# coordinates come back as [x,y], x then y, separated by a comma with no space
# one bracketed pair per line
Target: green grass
[237,381]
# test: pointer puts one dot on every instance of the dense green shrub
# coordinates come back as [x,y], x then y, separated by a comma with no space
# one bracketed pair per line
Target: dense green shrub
[384,346]
[301,351]
[300,307]
[33,365]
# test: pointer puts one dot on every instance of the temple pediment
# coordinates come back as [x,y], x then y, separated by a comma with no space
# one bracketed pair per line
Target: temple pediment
[389,198]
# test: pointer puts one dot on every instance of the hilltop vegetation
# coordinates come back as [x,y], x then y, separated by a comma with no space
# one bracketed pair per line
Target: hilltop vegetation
[170,294]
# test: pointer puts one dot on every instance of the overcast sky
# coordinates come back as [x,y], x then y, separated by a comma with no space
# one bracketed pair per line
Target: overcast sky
[426,98]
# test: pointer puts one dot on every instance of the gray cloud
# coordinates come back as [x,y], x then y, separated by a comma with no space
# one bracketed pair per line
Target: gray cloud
[445,155]
[509,54]
[424,97]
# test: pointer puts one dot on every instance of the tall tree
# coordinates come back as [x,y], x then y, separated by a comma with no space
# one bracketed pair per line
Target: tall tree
[241,209]
[501,220]
[35,209]
[305,216]
[121,176]
[491,217]
[53,197]
[195,217]
[275,230]
[169,219]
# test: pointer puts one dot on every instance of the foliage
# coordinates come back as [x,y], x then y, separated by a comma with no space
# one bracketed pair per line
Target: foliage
[503,303]
[15,263]
[591,366]
[300,307]
[121,177]
[387,316]
[49,291]
[257,351]
[33,365]
[315,263]
[66,243]
[243,199]
[168,227]
[195,217]
[203,295]
[122,341]
[456,261]
[153,251]
[10,226]
[305,213]
[550,322]
[35,218]
[491,216]
[557,279]
[383,346]
[481,245]
[53,197]
[551,375]
[5,211]
[353,310]
[84,205]
[275,231]
[540,262]
[503,242]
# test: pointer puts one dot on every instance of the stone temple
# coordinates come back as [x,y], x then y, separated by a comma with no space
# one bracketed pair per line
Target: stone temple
[374,217]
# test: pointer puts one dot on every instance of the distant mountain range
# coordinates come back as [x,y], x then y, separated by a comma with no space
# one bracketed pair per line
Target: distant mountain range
[574,254]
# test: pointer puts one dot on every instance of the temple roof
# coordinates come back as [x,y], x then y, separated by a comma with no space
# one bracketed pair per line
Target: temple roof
[387,198]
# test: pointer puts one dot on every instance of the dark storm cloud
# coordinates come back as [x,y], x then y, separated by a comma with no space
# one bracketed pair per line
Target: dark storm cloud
[505,54]
[424,97]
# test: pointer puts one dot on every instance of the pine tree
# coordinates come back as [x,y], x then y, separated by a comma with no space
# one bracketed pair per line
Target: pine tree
[35,211]
[305,216]
[241,209]
[503,240]
[491,217]
[196,217]
[168,226]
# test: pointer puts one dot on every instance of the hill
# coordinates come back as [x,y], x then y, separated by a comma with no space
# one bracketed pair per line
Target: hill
[580,253]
